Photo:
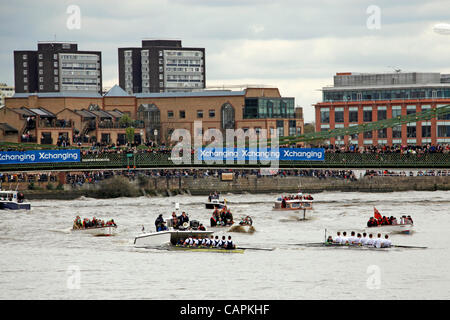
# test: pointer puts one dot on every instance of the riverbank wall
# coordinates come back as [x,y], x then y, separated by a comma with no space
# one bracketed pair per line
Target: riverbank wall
[163,186]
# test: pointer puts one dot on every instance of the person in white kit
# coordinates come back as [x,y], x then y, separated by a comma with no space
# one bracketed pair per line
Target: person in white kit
[386,243]
[189,241]
[378,241]
[364,239]
[370,241]
[338,238]
[344,238]
[352,238]
[357,239]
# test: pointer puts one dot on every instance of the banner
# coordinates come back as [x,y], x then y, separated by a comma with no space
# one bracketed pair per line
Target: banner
[39,156]
[283,154]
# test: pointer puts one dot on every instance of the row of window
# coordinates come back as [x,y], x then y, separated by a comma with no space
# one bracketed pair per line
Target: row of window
[416,93]
[411,132]
[353,114]
[182,114]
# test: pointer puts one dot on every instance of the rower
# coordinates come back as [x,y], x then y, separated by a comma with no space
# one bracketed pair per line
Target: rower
[370,241]
[378,240]
[195,241]
[338,238]
[358,239]
[364,239]
[229,244]
[410,220]
[216,241]
[330,239]
[352,238]
[386,243]
[344,239]
[188,242]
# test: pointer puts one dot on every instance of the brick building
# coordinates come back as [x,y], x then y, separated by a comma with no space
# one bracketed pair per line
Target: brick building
[86,117]
[361,98]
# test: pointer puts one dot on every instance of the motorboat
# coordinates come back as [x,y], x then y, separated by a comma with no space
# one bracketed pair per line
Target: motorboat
[13,200]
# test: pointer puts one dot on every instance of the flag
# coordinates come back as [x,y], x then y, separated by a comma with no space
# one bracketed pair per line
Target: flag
[376,214]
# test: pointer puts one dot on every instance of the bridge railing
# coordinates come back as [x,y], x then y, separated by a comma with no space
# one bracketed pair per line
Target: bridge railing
[155,160]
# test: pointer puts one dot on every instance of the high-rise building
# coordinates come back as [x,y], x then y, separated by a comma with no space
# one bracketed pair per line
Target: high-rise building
[57,67]
[5,92]
[357,98]
[161,66]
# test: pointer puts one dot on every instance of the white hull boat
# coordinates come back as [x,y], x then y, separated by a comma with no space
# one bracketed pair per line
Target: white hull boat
[98,231]
[397,228]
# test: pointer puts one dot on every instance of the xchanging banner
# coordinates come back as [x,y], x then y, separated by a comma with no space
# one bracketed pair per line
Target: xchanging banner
[283,154]
[39,156]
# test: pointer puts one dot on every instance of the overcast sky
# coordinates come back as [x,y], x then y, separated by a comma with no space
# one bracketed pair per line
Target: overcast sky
[294,45]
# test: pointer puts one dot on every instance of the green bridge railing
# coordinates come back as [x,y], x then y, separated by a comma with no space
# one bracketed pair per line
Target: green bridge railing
[158,160]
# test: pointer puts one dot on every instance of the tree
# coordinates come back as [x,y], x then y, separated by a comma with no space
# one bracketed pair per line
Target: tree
[129,132]
[125,121]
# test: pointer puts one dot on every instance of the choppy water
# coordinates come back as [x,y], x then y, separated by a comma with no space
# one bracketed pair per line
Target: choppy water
[40,256]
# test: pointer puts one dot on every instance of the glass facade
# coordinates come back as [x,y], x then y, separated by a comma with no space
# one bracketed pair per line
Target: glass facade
[386,94]
[262,108]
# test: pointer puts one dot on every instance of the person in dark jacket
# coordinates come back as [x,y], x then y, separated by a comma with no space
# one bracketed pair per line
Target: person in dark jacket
[158,221]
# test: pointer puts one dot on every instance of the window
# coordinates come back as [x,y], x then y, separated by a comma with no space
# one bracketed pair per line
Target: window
[200,114]
[381,113]
[55,56]
[169,114]
[397,132]
[367,135]
[41,79]
[212,113]
[55,64]
[40,56]
[25,80]
[25,64]
[410,109]
[367,115]
[324,115]
[411,131]
[41,71]
[339,115]
[56,87]
[426,130]
[25,72]
[396,111]
[443,130]
[182,114]
[41,87]
[382,133]
[25,87]
[55,72]
[24,57]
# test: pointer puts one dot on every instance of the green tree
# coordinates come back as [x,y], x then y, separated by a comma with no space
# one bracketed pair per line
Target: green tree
[129,132]
[125,121]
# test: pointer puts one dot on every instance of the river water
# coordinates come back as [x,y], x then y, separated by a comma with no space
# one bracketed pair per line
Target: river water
[42,259]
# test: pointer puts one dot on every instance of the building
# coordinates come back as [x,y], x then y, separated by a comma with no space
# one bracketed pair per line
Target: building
[5,92]
[161,66]
[57,67]
[47,118]
[357,98]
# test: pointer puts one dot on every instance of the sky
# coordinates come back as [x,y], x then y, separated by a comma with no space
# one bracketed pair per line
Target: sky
[294,45]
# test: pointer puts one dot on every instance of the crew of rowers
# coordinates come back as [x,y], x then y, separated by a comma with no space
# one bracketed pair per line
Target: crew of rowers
[205,242]
[360,240]
[94,223]
[385,221]
[221,217]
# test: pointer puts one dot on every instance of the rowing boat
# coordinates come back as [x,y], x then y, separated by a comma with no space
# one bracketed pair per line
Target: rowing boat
[98,231]
[353,246]
[205,249]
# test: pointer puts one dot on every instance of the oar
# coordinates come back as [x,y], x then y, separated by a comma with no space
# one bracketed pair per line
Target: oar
[262,249]
[409,247]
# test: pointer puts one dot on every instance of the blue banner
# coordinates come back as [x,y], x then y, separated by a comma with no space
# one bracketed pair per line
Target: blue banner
[284,154]
[39,156]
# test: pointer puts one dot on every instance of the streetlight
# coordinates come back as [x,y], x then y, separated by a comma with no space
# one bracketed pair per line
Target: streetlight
[155,133]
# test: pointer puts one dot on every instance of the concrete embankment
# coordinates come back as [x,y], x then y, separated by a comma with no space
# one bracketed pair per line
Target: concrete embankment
[161,186]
